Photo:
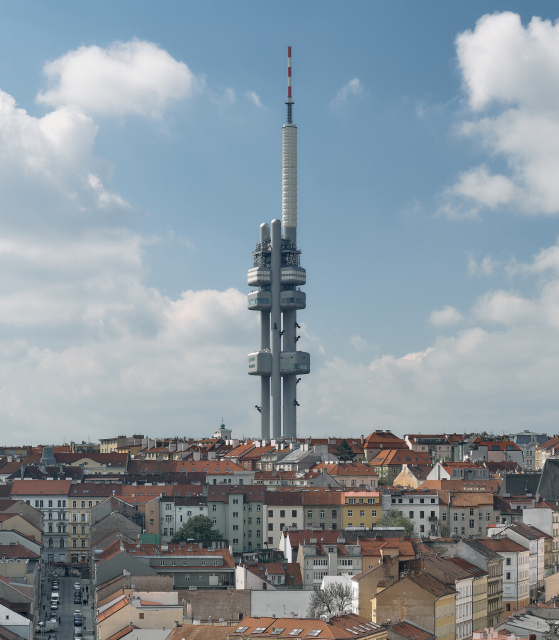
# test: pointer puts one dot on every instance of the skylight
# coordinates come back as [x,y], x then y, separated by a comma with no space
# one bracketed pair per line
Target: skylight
[259,630]
[241,629]
[295,632]
[277,632]
[313,633]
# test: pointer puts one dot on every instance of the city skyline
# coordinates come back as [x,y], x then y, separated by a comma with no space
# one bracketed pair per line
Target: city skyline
[139,155]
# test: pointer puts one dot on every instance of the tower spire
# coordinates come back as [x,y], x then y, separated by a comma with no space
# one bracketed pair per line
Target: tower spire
[289,102]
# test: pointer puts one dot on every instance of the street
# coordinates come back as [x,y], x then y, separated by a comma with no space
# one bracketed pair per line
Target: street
[67,607]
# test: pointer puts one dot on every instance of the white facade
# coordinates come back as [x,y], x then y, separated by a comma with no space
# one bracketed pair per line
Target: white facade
[464,608]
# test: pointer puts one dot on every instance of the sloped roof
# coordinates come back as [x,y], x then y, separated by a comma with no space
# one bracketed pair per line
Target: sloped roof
[41,487]
[503,545]
[519,484]
[411,632]
[396,457]
[431,585]
[116,607]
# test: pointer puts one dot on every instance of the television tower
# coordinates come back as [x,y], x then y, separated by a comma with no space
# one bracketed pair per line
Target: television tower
[278,275]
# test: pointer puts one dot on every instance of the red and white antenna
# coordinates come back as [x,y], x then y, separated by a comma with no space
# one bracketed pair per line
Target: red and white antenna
[289,102]
[289,73]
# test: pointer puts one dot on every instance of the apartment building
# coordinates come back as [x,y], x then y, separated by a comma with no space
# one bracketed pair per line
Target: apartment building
[516,573]
[431,605]
[496,451]
[176,511]
[81,499]
[474,552]
[381,441]
[50,497]
[427,509]
[533,540]
[470,513]
[545,517]
[546,450]
[318,560]
[361,509]
[237,512]
[438,447]
[349,474]
[388,463]
[528,442]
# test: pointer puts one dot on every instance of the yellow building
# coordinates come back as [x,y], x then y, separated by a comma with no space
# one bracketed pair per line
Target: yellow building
[362,509]
[81,498]
[420,598]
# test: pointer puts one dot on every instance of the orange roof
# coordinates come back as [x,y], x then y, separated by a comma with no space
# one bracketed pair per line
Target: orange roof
[397,457]
[211,467]
[384,440]
[502,445]
[41,487]
[503,545]
[411,632]
[123,632]
[116,607]
[345,469]
[379,546]
[110,598]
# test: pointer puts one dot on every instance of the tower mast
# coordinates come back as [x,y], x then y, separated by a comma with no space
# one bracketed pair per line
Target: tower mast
[278,275]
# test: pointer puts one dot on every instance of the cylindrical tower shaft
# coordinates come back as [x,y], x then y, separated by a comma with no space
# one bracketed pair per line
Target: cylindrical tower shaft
[264,345]
[289,381]
[289,165]
[275,322]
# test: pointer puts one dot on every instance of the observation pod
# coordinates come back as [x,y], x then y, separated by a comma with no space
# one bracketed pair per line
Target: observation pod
[260,300]
[259,277]
[291,300]
[295,363]
[293,275]
[260,363]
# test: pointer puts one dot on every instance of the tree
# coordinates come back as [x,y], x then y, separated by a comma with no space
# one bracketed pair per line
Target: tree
[395,518]
[344,452]
[197,528]
[336,597]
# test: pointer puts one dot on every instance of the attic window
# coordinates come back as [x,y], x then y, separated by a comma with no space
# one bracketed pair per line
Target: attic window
[313,633]
[241,629]
[259,630]
[295,632]
[277,632]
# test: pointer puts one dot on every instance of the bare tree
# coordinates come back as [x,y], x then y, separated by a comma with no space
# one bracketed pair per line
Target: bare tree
[336,597]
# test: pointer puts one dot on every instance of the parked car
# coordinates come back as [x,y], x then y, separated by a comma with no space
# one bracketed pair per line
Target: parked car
[52,636]
[53,615]
[55,586]
[77,598]
[77,585]
[77,618]
[54,605]
[77,633]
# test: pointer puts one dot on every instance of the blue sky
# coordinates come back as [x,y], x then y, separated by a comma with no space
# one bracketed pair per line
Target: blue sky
[148,152]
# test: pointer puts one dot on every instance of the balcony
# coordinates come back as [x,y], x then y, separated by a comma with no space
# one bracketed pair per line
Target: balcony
[433,518]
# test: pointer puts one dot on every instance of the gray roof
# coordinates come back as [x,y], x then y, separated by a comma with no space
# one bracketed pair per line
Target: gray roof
[548,487]
[476,546]
[519,484]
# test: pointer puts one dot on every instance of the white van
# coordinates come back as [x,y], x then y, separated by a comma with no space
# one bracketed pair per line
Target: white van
[55,597]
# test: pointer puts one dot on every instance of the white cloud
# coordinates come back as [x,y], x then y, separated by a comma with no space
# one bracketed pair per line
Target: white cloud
[498,374]
[359,343]
[445,317]
[514,70]
[485,268]
[134,77]
[255,99]
[352,88]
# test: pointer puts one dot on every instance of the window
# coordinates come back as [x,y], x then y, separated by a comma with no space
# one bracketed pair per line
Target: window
[422,514]
[444,516]
[472,523]
[270,513]
[214,507]
[74,504]
[471,511]
[235,514]
[293,515]
[322,514]
[202,563]
[83,530]
[168,506]
[83,544]
[90,504]
[508,561]
[282,513]
[141,616]
[270,526]
[455,517]
[334,513]
[361,513]
[309,514]
[351,500]
[83,504]
[350,513]
[421,528]
[235,527]
[74,543]
[411,514]
[374,513]
[508,575]
[235,500]
[74,530]
[50,503]
[151,521]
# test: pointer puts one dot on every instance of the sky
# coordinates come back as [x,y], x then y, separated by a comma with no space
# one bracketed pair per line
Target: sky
[140,149]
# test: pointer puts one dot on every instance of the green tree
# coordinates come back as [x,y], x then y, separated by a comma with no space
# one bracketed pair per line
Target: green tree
[197,528]
[344,452]
[337,597]
[395,518]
